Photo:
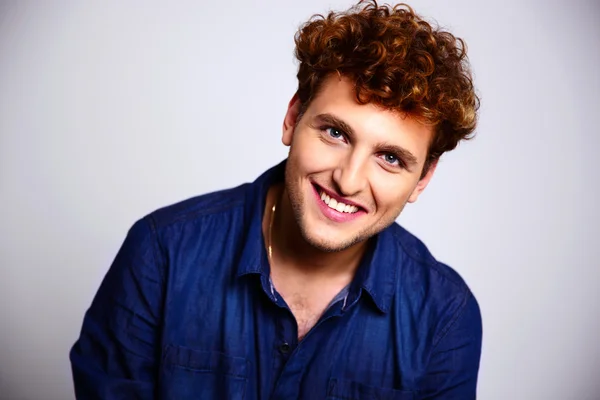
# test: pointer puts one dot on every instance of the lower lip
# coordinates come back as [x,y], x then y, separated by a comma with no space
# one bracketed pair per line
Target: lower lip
[332,214]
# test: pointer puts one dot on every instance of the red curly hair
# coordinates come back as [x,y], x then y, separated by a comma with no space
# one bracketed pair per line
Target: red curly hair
[397,61]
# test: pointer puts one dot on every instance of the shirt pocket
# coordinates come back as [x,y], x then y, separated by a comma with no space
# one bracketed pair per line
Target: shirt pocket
[350,390]
[197,374]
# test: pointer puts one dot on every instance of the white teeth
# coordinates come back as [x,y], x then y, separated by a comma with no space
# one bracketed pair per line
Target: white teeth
[338,206]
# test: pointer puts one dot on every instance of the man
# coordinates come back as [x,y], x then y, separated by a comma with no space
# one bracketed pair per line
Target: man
[301,285]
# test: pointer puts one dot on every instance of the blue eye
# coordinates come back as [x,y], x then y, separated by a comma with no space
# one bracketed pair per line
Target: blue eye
[391,159]
[334,133]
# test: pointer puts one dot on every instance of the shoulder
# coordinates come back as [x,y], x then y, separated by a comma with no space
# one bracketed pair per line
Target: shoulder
[205,216]
[420,260]
[199,207]
[430,287]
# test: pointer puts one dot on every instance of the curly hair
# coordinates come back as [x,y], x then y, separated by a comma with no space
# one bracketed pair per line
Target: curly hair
[397,61]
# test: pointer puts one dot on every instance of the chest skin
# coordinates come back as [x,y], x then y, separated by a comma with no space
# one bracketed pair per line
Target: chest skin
[306,308]
[307,299]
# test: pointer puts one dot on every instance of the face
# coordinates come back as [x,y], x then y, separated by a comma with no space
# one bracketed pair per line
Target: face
[351,168]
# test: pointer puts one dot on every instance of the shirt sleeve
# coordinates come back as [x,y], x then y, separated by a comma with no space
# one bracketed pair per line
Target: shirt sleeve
[117,353]
[454,365]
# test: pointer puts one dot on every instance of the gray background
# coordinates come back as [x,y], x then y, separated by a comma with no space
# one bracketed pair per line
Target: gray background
[109,110]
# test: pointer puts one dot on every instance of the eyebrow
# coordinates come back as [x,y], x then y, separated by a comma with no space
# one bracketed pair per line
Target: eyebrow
[405,155]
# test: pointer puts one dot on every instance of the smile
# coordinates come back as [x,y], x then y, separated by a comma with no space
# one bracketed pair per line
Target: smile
[334,208]
[337,205]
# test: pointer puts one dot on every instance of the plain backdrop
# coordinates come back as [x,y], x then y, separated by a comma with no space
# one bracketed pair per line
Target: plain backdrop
[111,109]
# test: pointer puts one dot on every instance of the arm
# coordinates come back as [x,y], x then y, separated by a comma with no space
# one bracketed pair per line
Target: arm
[117,354]
[454,364]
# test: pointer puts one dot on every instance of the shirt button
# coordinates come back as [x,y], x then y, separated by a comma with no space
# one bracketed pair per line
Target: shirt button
[285,348]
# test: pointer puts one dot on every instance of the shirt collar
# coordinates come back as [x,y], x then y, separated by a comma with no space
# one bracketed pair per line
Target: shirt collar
[253,259]
[377,272]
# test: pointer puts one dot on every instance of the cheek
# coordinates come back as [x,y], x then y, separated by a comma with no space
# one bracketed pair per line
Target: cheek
[311,154]
[391,194]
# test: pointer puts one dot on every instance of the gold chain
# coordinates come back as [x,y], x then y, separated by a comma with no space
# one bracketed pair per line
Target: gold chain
[270,247]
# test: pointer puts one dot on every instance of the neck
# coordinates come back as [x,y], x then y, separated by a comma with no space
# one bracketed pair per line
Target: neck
[292,253]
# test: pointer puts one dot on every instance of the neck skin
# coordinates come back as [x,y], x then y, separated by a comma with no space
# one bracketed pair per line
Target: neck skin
[294,256]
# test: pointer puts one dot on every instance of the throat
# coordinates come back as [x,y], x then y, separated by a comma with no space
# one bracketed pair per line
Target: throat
[288,249]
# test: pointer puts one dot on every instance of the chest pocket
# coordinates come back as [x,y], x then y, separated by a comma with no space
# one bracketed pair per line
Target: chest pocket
[195,374]
[350,390]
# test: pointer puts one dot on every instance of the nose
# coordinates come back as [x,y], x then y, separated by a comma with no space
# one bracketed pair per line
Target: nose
[350,176]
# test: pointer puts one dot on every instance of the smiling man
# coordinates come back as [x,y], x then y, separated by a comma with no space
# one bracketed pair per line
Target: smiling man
[301,285]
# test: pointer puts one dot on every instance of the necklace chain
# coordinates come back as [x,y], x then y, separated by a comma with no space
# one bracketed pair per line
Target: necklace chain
[270,247]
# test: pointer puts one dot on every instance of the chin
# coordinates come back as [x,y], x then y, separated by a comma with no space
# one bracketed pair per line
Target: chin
[321,240]
[327,246]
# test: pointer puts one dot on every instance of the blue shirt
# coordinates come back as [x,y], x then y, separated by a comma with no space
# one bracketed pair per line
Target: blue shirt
[187,311]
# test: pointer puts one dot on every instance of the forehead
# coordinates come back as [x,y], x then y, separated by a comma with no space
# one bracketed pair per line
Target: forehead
[369,122]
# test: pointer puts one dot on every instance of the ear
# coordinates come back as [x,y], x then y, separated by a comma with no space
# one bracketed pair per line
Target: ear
[290,120]
[423,182]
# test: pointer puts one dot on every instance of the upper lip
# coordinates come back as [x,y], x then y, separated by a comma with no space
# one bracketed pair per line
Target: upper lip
[339,198]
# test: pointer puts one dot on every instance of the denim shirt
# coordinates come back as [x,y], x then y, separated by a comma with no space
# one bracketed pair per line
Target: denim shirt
[186,311]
